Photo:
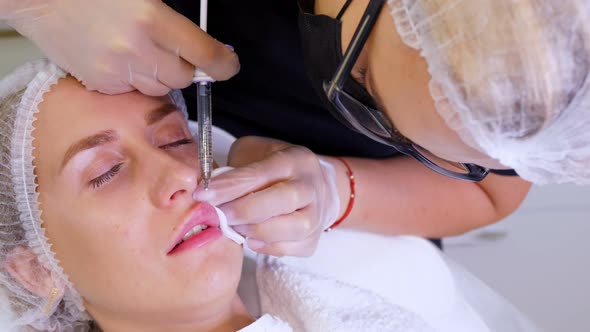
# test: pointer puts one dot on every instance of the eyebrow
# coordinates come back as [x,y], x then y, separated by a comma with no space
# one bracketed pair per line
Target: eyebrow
[109,136]
[89,142]
[159,113]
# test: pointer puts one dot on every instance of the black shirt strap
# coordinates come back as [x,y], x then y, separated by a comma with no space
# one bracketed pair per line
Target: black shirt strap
[344,8]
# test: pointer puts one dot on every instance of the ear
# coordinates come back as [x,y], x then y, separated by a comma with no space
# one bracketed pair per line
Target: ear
[22,265]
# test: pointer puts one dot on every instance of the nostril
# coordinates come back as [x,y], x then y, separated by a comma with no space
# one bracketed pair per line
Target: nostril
[178,194]
[175,182]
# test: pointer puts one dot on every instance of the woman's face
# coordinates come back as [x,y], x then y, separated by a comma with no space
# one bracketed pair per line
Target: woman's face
[116,176]
[398,79]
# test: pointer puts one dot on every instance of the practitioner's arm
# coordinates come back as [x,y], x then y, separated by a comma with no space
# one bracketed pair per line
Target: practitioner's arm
[400,196]
[394,196]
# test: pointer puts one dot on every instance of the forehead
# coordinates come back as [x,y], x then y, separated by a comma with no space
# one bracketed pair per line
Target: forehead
[69,113]
[69,99]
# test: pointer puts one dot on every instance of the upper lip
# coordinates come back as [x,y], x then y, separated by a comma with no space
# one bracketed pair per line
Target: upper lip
[199,214]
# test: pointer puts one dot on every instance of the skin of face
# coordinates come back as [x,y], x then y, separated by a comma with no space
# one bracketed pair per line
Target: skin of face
[397,77]
[112,236]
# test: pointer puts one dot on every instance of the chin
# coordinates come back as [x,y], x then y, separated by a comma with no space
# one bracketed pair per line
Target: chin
[222,249]
[210,283]
[224,260]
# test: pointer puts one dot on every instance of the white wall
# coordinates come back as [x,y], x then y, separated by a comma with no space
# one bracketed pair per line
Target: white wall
[537,258]
[14,51]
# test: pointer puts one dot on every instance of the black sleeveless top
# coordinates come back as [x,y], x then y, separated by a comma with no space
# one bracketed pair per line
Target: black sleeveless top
[271,96]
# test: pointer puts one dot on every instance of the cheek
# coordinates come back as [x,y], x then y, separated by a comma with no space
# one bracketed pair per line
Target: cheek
[189,155]
[399,76]
[92,242]
[405,95]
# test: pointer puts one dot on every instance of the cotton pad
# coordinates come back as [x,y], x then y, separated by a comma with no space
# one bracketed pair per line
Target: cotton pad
[227,230]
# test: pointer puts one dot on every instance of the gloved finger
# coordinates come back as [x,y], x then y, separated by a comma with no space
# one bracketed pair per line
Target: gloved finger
[241,181]
[295,226]
[157,68]
[249,149]
[147,84]
[107,80]
[177,34]
[279,199]
[109,89]
[303,248]
[173,71]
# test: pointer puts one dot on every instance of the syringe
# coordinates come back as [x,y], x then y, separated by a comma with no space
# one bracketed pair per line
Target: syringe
[204,125]
[204,131]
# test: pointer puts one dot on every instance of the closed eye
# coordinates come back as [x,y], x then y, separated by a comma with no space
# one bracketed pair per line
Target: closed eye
[110,174]
[106,177]
[178,143]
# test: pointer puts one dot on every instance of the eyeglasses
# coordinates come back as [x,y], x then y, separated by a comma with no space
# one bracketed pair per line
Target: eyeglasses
[373,123]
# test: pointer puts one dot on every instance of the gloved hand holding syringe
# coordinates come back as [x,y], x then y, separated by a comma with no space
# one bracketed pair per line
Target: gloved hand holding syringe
[114,46]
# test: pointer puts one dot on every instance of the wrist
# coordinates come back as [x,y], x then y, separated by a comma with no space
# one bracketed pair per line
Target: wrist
[345,184]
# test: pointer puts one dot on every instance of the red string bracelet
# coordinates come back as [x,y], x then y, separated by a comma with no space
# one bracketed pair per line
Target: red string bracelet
[350,200]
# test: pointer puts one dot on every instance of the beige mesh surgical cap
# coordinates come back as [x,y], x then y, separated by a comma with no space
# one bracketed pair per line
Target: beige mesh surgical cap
[511,77]
[20,216]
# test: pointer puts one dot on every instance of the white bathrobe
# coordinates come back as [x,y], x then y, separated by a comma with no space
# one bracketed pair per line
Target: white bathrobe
[366,282]
[267,323]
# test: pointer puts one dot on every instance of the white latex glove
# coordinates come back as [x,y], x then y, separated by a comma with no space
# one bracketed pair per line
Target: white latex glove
[280,196]
[116,46]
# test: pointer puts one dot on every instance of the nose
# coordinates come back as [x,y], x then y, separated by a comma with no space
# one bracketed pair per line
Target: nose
[173,180]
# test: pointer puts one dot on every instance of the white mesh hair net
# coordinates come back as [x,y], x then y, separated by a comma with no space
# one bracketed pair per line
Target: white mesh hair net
[20,216]
[511,77]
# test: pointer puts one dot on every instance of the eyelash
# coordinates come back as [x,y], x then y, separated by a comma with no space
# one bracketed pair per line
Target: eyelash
[108,176]
[178,143]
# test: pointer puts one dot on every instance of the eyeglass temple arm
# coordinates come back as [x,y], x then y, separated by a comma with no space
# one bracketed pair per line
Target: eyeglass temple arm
[359,38]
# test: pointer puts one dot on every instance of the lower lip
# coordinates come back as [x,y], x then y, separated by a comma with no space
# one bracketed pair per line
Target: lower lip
[202,239]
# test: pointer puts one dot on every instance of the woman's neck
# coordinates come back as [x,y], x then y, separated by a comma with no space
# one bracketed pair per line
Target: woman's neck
[233,319]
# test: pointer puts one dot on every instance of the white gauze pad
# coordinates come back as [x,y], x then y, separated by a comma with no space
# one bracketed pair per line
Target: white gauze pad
[225,228]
